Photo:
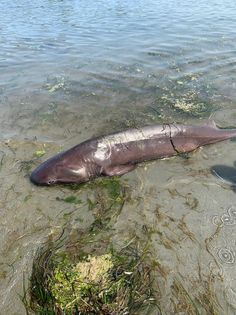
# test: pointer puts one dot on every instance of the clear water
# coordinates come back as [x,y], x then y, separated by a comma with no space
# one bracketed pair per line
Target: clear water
[70,70]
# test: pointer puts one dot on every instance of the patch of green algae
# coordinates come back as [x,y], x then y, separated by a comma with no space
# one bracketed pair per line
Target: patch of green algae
[112,185]
[189,96]
[83,286]
[111,283]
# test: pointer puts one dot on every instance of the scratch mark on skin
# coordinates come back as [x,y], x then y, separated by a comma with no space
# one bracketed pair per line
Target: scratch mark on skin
[182,154]
[172,142]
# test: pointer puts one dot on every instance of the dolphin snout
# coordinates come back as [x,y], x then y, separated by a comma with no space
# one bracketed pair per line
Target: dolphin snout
[36,179]
[39,177]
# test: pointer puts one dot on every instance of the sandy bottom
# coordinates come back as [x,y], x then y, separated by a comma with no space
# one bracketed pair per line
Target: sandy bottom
[187,215]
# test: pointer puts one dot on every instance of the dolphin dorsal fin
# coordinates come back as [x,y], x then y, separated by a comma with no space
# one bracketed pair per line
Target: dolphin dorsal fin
[211,123]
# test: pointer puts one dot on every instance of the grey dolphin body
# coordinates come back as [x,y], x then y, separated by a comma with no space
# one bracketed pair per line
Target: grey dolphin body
[118,153]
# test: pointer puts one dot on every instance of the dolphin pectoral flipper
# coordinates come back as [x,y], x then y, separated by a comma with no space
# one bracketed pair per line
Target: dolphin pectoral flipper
[118,169]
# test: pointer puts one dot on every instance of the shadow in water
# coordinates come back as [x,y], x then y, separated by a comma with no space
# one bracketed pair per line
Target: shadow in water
[226,174]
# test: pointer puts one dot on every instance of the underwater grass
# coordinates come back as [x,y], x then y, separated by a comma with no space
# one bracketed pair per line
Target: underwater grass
[90,277]
[106,197]
[111,184]
[70,199]
[202,302]
[115,282]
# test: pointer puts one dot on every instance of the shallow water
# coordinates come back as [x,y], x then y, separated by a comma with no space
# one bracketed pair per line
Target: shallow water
[70,70]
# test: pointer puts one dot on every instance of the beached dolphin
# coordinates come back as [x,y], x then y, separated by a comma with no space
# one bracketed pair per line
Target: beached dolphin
[119,153]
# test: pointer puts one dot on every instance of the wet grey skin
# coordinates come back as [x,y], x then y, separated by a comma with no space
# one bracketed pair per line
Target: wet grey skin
[119,153]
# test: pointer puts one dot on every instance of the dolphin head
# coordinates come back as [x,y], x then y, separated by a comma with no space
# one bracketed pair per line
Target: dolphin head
[45,174]
[58,170]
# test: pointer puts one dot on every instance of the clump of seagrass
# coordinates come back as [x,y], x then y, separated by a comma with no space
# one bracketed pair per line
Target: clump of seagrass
[108,284]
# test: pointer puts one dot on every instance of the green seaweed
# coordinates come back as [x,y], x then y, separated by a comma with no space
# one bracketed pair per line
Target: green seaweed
[55,84]
[70,199]
[26,166]
[28,197]
[39,153]
[116,282]
[184,97]
[113,187]
[111,184]
[106,199]
[1,160]
[204,300]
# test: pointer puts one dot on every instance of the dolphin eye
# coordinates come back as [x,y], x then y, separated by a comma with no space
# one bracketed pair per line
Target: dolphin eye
[51,181]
